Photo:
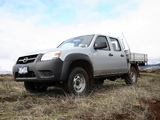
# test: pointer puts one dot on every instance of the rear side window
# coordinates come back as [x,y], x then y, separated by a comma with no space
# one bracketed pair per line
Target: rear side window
[115,44]
[102,39]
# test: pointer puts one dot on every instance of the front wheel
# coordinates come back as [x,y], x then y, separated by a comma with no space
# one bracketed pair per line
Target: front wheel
[77,83]
[131,78]
[35,87]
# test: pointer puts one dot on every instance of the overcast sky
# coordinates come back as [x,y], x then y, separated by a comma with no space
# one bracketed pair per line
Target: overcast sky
[31,25]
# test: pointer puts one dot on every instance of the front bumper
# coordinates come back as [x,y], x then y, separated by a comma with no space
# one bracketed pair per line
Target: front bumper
[40,71]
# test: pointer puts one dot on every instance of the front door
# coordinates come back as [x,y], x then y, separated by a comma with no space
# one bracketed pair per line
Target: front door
[103,60]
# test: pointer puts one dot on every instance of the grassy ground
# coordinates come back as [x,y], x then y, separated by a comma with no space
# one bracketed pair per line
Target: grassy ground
[112,101]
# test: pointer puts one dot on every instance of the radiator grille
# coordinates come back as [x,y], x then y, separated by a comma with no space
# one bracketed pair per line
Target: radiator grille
[26,59]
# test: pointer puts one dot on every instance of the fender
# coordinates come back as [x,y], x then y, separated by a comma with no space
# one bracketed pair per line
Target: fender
[69,60]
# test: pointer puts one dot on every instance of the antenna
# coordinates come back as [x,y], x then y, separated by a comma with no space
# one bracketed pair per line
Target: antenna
[125,42]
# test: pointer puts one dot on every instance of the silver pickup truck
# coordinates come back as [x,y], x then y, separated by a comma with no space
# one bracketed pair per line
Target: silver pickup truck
[79,63]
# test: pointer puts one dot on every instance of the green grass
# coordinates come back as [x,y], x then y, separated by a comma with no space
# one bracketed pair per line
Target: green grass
[110,101]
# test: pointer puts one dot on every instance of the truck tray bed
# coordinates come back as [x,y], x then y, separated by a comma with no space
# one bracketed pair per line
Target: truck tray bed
[139,58]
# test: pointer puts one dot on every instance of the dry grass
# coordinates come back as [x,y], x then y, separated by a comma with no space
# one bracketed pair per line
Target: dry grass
[111,101]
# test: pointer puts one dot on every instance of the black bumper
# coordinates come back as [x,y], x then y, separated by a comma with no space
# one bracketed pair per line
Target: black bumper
[40,71]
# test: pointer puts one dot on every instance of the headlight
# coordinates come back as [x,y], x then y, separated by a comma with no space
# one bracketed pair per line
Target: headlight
[51,55]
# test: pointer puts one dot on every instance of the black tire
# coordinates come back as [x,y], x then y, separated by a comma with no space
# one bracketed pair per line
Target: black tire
[77,83]
[131,78]
[99,81]
[35,87]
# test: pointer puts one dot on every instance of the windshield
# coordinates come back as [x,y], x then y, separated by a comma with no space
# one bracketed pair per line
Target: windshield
[81,41]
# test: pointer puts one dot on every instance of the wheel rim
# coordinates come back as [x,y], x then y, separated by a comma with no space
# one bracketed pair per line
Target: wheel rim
[79,83]
[133,76]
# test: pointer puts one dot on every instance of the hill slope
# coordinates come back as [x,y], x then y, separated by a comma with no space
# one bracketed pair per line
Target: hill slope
[112,101]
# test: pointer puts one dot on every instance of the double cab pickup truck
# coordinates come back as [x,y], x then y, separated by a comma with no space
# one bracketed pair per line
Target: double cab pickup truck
[78,63]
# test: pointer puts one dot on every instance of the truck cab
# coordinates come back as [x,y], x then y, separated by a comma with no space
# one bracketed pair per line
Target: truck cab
[112,57]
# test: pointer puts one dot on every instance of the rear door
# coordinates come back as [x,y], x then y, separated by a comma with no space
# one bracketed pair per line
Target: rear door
[103,60]
[119,56]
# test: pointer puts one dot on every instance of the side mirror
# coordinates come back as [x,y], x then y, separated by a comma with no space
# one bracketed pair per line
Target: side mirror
[100,45]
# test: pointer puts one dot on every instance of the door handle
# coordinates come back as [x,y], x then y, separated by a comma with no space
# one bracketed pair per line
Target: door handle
[122,55]
[110,54]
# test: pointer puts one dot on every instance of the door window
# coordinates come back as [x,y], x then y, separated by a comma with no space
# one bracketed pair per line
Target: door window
[115,44]
[102,39]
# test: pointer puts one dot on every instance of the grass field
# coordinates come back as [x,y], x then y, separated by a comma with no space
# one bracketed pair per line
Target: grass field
[112,101]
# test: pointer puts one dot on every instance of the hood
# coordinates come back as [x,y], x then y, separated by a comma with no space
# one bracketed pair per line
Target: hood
[40,51]
[55,49]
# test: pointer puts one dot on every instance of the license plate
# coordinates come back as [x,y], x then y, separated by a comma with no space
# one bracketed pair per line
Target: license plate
[23,70]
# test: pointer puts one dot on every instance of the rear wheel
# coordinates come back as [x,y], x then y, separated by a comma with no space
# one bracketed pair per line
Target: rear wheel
[131,78]
[77,83]
[35,87]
